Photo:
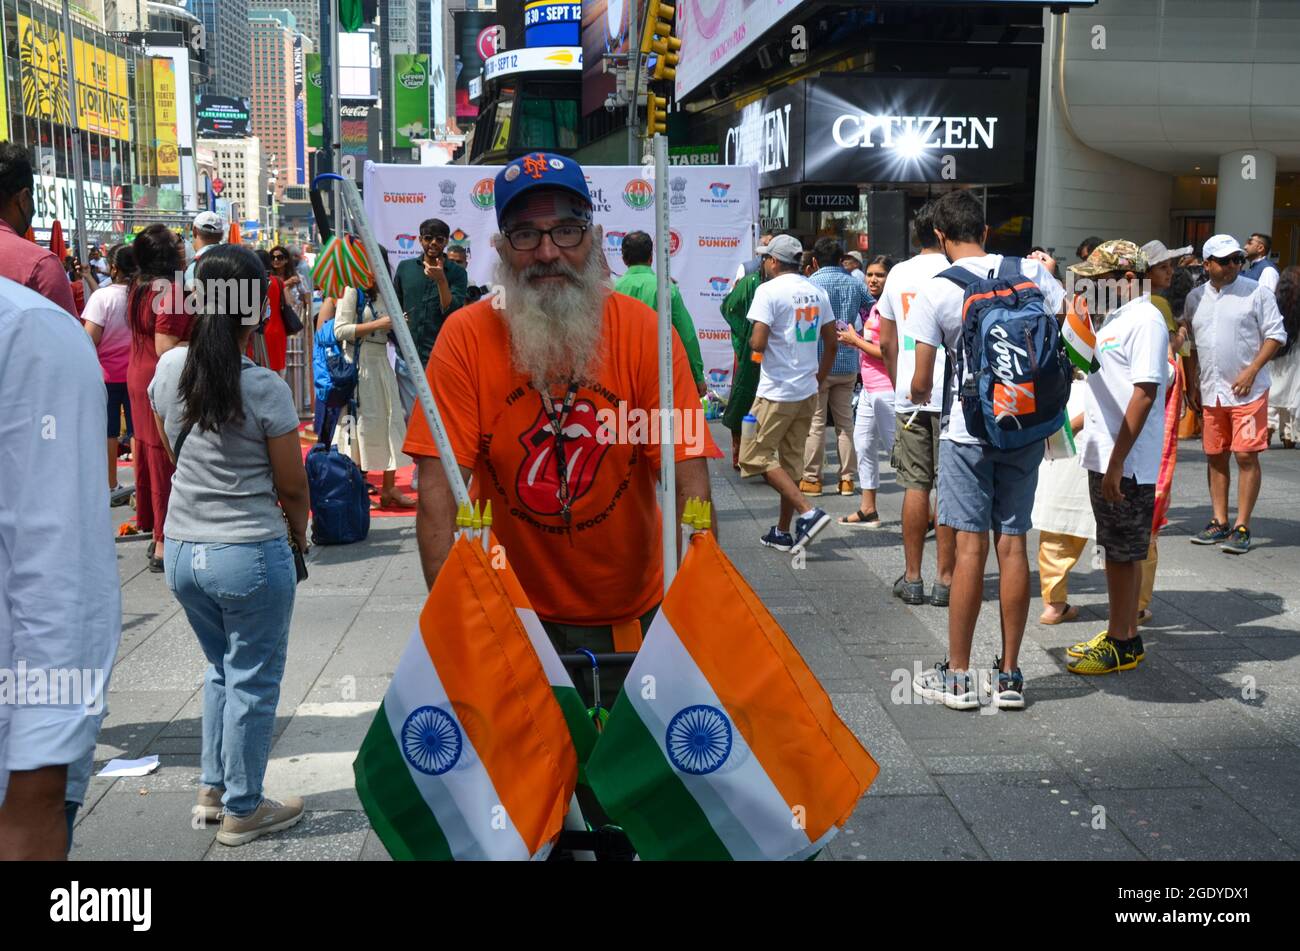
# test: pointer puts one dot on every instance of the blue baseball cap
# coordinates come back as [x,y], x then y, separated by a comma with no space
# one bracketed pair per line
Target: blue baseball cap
[538,170]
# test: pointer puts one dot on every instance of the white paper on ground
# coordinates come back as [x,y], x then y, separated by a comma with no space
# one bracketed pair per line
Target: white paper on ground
[130,767]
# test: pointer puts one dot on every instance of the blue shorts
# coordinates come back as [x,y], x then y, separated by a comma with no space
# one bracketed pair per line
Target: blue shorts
[982,488]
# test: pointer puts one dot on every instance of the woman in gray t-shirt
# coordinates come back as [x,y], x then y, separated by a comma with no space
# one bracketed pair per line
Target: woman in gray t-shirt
[239,495]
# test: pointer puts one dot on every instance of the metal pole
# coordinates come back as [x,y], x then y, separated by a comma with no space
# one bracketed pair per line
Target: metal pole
[336,120]
[634,64]
[78,175]
[405,343]
[667,436]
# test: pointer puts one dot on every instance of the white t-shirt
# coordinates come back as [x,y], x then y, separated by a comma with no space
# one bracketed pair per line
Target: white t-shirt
[1132,347]
[795,309]
[935,318]
[901,286]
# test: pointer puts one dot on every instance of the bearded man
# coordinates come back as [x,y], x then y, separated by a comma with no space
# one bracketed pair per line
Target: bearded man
[534,383]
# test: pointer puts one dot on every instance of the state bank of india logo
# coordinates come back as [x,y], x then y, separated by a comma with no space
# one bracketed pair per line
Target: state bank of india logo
[483,194]
[639,194]
[448,189]
[614,242]
[719,285]
[678,197]
[698,739]
[719,189]
[719,196]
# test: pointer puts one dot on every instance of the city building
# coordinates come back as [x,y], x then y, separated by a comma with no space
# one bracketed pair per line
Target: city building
[1170,120]
[226,35]
[398,33]
[307,14]
[274,117]
[238,166]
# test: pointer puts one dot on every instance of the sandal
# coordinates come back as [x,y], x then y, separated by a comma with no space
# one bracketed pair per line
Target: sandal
[1144,617]
[1069,614]
[861,519]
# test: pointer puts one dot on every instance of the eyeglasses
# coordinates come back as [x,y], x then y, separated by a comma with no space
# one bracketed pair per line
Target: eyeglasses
[562,236]
[433,237]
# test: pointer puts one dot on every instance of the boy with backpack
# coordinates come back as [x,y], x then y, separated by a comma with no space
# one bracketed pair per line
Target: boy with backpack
[996,319]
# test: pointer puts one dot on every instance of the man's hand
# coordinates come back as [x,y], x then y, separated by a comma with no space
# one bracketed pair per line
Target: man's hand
[33,819]
[1047,260]
[1244,382]
[702,388]
[434,270]
[1110,484]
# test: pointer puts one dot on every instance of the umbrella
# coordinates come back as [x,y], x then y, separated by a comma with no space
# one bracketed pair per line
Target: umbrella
[233,237]
[57,245]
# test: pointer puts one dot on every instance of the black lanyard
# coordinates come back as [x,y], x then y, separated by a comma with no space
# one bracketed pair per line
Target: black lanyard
[557,429]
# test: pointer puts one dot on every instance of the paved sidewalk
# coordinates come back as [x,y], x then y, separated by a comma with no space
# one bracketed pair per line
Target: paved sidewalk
[1192,756]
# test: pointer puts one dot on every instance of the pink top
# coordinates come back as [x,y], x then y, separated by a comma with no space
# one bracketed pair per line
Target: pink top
[874,376]
[107,308]
[33,266]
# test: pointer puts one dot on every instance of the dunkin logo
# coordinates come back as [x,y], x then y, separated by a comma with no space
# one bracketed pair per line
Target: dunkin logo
[638,194]
[483,194]
[719,241]
[404,198]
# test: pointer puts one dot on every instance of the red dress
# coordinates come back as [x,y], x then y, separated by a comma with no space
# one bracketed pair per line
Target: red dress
[277,342]
[153,470]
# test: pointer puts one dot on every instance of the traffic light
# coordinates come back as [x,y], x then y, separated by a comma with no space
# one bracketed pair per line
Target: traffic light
[656,115]
[658,39]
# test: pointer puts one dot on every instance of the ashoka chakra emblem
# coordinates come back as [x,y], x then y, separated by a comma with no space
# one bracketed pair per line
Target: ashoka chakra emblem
[431,741]
[699,739]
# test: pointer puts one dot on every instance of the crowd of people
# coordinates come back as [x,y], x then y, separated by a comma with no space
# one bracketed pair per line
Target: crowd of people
[825,338]
[1176,342]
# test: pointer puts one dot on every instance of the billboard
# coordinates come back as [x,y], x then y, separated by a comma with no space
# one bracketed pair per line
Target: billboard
[315,122]
[714,32]
[478,38]
[165,137]
[225,116]
[410,98]
[605,27]
[103,101]
[437,71]
[299,112]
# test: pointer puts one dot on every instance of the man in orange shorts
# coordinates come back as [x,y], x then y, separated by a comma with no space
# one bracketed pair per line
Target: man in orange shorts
[1235,328]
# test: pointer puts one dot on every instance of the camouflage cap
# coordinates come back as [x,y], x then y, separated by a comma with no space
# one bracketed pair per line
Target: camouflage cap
[1111,256]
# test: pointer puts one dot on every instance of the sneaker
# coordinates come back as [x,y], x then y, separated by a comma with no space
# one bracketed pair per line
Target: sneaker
[1109,657]
[120,496]
[1212,534]
[912,592]
[775,538]
[955,691]
[806,528]
[269,816]
[1008,688]
[846,487]
[810,488]
[1081,649]
[940,595]
[1238,542]
[208,807]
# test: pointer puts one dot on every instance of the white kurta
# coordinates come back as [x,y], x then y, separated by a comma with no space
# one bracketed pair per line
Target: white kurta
[380,429]
[1061,502]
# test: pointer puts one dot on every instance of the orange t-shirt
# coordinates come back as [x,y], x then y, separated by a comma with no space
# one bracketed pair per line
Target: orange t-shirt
[609,566]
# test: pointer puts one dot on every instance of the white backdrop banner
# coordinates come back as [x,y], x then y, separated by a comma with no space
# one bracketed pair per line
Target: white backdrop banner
[712,212]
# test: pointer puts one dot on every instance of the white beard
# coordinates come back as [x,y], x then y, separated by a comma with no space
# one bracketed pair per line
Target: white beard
[555,329]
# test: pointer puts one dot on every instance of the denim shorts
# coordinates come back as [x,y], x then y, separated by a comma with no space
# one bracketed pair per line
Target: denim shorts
[982,488]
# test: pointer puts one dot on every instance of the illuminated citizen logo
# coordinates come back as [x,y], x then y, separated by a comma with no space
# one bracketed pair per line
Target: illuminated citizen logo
[863,131]
[762,139]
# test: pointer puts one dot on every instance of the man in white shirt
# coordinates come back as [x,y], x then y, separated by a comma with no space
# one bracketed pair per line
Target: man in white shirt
[1258,265]
[60,596]
[1235,328]
[915,456]
[789,313]
[1121,445]
[208,230]
[980,487]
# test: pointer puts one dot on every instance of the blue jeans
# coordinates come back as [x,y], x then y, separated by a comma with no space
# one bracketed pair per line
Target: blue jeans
[239,600]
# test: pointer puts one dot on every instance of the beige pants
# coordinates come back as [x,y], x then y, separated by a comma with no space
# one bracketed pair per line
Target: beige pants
[1057,554]
[836,392]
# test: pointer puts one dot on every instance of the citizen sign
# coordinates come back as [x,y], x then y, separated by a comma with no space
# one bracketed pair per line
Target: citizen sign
[863,131]
[761,139]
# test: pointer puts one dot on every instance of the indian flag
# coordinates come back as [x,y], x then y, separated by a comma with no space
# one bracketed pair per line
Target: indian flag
[1060,445]
[1080,340]
[469,756]
[581,727]
[722,744]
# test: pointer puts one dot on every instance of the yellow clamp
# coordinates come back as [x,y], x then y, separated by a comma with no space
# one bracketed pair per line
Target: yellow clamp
[487,514]
[476,518]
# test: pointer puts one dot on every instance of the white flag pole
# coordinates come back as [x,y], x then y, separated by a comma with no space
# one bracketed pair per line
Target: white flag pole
[667,437]
[405,344]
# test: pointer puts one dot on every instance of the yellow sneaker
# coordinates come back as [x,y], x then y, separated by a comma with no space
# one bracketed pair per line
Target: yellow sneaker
[1109,657]
[1081,649]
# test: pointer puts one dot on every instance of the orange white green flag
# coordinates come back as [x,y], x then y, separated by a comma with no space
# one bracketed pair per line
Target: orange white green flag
[722,744]
[469,756]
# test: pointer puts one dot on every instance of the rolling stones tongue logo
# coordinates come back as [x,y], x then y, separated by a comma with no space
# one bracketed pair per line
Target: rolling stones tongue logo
[538,480]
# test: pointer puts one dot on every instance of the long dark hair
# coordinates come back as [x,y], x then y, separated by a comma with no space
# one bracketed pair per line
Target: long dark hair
[209,387]
[157,257]
[289,262]
[1288,302]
